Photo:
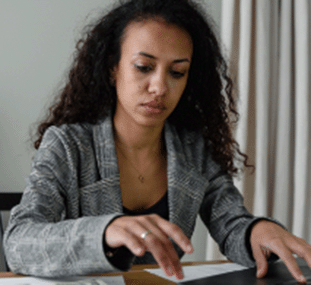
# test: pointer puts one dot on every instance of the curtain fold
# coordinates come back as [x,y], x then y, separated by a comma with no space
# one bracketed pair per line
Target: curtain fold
[269,50]
[282,210]
[302,75]
[262,23]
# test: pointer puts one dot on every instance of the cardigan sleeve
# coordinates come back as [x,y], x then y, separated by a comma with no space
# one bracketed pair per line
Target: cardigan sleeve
[227,219]
[46,235]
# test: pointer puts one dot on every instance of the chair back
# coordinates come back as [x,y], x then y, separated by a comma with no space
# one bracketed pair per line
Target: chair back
[7,202]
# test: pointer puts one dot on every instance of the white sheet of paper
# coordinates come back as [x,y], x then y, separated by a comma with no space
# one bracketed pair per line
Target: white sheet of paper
[200,271]
[107,280]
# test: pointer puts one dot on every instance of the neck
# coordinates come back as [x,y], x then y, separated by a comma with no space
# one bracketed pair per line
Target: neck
[135,138]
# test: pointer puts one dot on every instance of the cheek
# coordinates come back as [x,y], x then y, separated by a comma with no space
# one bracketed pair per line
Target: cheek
[142,85]
[128,85]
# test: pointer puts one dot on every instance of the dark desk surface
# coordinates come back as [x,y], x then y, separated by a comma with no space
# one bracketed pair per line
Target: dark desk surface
[136,276]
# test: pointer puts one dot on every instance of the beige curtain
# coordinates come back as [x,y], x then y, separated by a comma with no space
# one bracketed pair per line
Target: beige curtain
[268,45]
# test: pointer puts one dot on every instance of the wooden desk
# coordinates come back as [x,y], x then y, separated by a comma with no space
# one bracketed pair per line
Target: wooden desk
[136,276]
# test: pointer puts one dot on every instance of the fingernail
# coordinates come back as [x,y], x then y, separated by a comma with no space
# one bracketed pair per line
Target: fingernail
[259,272]
[189,248]
[302,279]
[180,275]
[169,271]
[139,250]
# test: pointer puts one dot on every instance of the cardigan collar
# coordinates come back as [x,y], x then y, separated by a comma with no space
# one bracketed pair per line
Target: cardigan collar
[183,179]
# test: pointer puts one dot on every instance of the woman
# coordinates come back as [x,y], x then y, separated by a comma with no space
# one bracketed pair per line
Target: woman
[137,145]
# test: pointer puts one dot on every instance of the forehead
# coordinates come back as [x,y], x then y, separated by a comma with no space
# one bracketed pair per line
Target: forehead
[157,38]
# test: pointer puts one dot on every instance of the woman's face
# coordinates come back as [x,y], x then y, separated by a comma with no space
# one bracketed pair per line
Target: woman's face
[152,72]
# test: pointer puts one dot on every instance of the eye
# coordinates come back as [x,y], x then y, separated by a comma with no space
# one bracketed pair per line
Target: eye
[177,74]
[143,68]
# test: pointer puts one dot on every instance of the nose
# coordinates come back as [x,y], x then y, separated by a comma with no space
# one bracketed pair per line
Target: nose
[158,84]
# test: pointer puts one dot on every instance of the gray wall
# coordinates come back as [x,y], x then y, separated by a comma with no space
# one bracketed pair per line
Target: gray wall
[37,39]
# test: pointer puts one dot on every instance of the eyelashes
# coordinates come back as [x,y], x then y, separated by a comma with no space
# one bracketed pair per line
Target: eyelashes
[177,74]
[146,69]
[143,68]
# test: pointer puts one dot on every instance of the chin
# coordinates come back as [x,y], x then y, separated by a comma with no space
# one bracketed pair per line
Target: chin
[151,122]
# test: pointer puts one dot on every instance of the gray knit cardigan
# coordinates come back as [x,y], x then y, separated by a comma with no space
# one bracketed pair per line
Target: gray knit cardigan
[73,193]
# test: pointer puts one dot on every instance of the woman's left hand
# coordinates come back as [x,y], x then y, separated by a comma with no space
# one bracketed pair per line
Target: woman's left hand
[267,237]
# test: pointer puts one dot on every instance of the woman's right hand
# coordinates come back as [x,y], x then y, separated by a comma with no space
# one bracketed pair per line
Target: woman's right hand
[150,233]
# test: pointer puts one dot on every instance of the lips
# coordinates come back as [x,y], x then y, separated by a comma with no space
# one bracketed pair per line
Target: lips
[155,105]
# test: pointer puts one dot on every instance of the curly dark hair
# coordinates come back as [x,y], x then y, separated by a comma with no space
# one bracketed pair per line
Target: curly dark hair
[207,104]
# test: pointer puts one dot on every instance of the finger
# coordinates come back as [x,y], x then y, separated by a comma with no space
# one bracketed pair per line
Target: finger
[261,261]
[159,245]
[135,245]
[128,230]
[175,233]
[123,237]
[164,253]
[307,255]
[162,229]
[287,257]
[294,269]
[302,249]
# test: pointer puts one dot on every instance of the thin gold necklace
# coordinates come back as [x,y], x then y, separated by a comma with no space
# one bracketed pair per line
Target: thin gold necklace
[141,178]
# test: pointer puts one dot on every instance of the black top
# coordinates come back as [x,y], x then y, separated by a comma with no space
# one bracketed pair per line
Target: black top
[160,208]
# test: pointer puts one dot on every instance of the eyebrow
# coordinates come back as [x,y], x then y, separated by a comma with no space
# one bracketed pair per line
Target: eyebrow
[153,57]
